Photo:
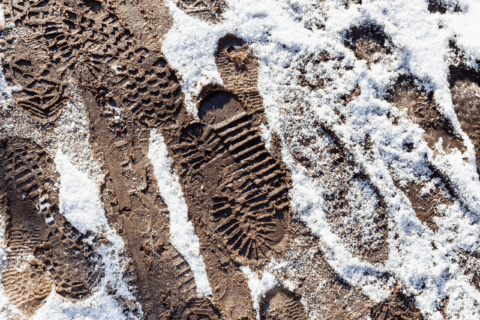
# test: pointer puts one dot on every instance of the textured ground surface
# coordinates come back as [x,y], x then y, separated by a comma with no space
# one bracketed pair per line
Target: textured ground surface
[210,159]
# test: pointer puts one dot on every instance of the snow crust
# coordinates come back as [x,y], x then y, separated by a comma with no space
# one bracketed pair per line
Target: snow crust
[183,236]
[284,35]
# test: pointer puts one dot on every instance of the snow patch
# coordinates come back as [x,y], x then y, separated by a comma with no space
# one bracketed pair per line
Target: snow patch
[79,201]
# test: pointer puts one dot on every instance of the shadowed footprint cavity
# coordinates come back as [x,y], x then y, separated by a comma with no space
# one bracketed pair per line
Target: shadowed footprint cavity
[219,107]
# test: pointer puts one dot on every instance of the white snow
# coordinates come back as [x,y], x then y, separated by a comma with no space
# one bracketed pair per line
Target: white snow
[183,236]
[79,201]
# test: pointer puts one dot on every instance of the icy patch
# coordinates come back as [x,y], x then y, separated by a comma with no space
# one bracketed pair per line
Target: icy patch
[258,287]
[79,201]
[183,236]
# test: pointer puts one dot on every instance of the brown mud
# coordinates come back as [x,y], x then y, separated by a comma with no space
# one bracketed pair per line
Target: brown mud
[209,10]
[397,307]
[86,41]
[44,247]
[465,89]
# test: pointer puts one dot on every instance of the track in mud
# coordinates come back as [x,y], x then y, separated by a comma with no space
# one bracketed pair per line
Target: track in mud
[44,247]
[235,185]
[116,68]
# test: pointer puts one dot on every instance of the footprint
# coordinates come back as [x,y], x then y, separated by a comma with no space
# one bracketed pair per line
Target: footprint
[278,303]
[397,306]
[44,249]
[239,71]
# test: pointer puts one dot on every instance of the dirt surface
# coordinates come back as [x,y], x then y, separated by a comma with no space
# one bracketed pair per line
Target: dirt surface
[236,184]
[398,306]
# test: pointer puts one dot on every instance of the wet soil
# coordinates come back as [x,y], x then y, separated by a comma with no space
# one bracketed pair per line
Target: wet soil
[465,88]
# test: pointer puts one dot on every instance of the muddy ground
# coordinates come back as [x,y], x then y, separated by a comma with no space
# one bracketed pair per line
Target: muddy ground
[107,57]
